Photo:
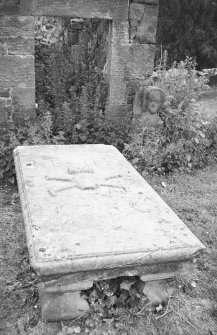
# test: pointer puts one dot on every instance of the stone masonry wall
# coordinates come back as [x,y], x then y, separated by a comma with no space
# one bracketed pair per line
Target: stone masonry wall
[17,79]
[130,56]
[132,53]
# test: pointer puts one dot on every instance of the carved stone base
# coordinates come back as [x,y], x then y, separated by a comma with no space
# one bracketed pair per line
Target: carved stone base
[62,306]
[59,303]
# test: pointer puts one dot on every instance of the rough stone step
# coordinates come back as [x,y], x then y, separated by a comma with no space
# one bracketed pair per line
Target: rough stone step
[89,216]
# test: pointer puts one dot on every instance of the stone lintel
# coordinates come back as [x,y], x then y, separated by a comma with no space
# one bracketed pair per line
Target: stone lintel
[103,9]
[147,2]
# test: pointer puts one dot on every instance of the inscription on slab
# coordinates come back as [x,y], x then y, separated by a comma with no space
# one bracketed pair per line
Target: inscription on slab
[86,208]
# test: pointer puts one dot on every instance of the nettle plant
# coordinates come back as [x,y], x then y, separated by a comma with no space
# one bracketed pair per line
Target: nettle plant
[186,141]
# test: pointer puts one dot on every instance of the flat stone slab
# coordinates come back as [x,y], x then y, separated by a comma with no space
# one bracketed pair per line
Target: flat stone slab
[86,209]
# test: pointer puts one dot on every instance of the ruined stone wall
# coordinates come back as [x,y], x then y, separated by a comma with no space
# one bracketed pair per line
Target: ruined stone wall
[132,52]
[130,56]
[17,78]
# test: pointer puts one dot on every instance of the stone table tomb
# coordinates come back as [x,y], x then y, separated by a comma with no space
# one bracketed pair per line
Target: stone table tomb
[89,216]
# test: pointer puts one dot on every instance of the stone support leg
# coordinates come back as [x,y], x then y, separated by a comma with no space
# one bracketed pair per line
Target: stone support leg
[62,302]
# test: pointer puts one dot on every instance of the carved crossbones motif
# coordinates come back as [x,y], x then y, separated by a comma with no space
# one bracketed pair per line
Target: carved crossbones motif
[90,182]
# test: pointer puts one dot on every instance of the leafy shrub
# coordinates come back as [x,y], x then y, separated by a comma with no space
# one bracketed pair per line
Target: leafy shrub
[62,73]
[30,133]
[75,90]
[185,141]
[188,28]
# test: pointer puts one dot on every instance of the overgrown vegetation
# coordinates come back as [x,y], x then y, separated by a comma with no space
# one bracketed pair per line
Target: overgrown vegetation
[185,141]
[71,84]
[71,95]
[188,28]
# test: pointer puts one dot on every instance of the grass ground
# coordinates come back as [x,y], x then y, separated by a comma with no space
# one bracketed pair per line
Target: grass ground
[191,310]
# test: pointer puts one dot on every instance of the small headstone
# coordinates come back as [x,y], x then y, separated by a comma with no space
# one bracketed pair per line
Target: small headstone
[149,101]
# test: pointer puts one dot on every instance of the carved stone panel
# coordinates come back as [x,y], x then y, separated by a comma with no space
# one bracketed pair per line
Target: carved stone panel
[149,101]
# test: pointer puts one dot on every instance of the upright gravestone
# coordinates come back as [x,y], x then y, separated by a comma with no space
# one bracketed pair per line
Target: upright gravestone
[90,216]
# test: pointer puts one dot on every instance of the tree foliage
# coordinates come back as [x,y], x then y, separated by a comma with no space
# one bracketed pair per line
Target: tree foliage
[188,28]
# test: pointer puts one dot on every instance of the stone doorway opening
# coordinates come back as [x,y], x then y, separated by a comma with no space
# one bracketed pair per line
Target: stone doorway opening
[71,67]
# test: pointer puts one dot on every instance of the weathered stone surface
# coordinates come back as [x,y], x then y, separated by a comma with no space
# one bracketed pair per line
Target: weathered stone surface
[139,60]
[65,306]
[143,22]
[76,8]
[61,285]
[149,101]
[157,291]
[146,272]
[117,82]
[128,62]
[17,7]
[149,2]
[136,12]
[95,8]
[60,301]
[24,98]
[3,48]
[18,45]
[146,30]
[71,193]
[17,70]
[14,26]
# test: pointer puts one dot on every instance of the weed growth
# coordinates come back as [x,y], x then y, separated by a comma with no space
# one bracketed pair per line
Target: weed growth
[186,141]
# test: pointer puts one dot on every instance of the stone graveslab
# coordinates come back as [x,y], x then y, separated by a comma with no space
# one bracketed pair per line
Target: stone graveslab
[90,216]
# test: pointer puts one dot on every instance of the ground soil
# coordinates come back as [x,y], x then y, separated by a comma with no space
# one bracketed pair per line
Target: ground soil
[191,310]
